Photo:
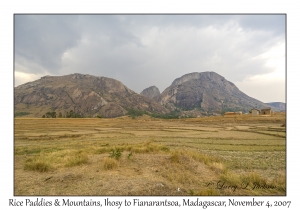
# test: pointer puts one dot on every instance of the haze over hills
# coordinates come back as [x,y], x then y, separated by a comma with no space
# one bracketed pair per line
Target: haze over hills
[279,105]
[194,94]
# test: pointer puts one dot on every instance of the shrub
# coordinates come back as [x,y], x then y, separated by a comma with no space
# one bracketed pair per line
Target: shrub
[129,155]
[115,153]
[135,113]
[20,114]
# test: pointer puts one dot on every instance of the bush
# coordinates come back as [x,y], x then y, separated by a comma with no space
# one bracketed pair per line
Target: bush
[129,155]
[115,154]
[172,115]
[20,114]
[135,113]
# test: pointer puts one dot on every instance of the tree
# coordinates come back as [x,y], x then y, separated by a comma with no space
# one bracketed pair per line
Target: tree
[51,114]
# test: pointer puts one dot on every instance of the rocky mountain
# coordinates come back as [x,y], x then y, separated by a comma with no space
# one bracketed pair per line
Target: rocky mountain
[281,106]
[151,92]
[86,95]
[194,94]
[206,93]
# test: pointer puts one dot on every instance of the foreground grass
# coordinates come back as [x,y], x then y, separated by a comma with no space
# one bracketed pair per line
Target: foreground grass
[201,157]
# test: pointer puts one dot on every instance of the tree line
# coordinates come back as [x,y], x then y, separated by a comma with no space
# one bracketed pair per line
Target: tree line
[70,114]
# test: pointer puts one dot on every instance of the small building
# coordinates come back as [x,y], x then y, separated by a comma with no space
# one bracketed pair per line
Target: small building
[266,111]
[232,113]
[229,113]
[255,112]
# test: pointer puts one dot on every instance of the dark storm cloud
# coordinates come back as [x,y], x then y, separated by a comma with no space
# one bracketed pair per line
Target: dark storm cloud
[145,50]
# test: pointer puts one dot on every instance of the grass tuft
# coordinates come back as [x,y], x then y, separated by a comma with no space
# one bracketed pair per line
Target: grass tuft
[218,167]
[175,157]
[77,159]
[37,165]
[110,163]
[147,147]
[253,178]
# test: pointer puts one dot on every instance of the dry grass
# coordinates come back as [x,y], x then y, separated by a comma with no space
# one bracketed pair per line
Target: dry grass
[110,163]
[77,159]
[175,157]
[37,165]
[71,156]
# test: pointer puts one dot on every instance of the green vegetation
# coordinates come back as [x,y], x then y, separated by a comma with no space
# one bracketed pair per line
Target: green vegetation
[20,114]
[70,114]
[172,115]
[129,155]
[73,114]
[115,153]
[135,113]
[50,115]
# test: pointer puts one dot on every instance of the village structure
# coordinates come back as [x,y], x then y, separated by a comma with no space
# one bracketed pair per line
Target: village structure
[254,112]
[233,113]
[265,111]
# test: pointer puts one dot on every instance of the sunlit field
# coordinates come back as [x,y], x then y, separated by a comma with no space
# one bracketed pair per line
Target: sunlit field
[238,155]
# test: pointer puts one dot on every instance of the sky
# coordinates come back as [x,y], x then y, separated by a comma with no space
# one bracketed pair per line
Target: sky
[145,50]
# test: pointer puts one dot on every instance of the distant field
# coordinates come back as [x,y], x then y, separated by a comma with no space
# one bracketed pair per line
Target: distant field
[239,155]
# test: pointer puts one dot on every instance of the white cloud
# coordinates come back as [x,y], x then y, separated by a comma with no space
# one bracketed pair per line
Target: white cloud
[21,77]
[155,49]
[268,87]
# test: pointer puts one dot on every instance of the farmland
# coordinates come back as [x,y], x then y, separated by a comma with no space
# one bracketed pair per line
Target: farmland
[239,155]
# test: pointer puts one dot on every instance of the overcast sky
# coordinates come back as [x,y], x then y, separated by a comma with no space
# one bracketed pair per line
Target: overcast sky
[145,50]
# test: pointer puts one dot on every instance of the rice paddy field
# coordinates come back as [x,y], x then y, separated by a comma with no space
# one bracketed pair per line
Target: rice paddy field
[237,155]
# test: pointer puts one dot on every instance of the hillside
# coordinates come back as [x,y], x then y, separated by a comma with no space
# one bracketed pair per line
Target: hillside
[192,95]
[281,106]
[86,95]
[206,93]
[151,92]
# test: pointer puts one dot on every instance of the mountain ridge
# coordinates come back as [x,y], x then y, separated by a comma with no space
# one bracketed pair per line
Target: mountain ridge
[279,105]
[85,94]
[191,95]
[206,92]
